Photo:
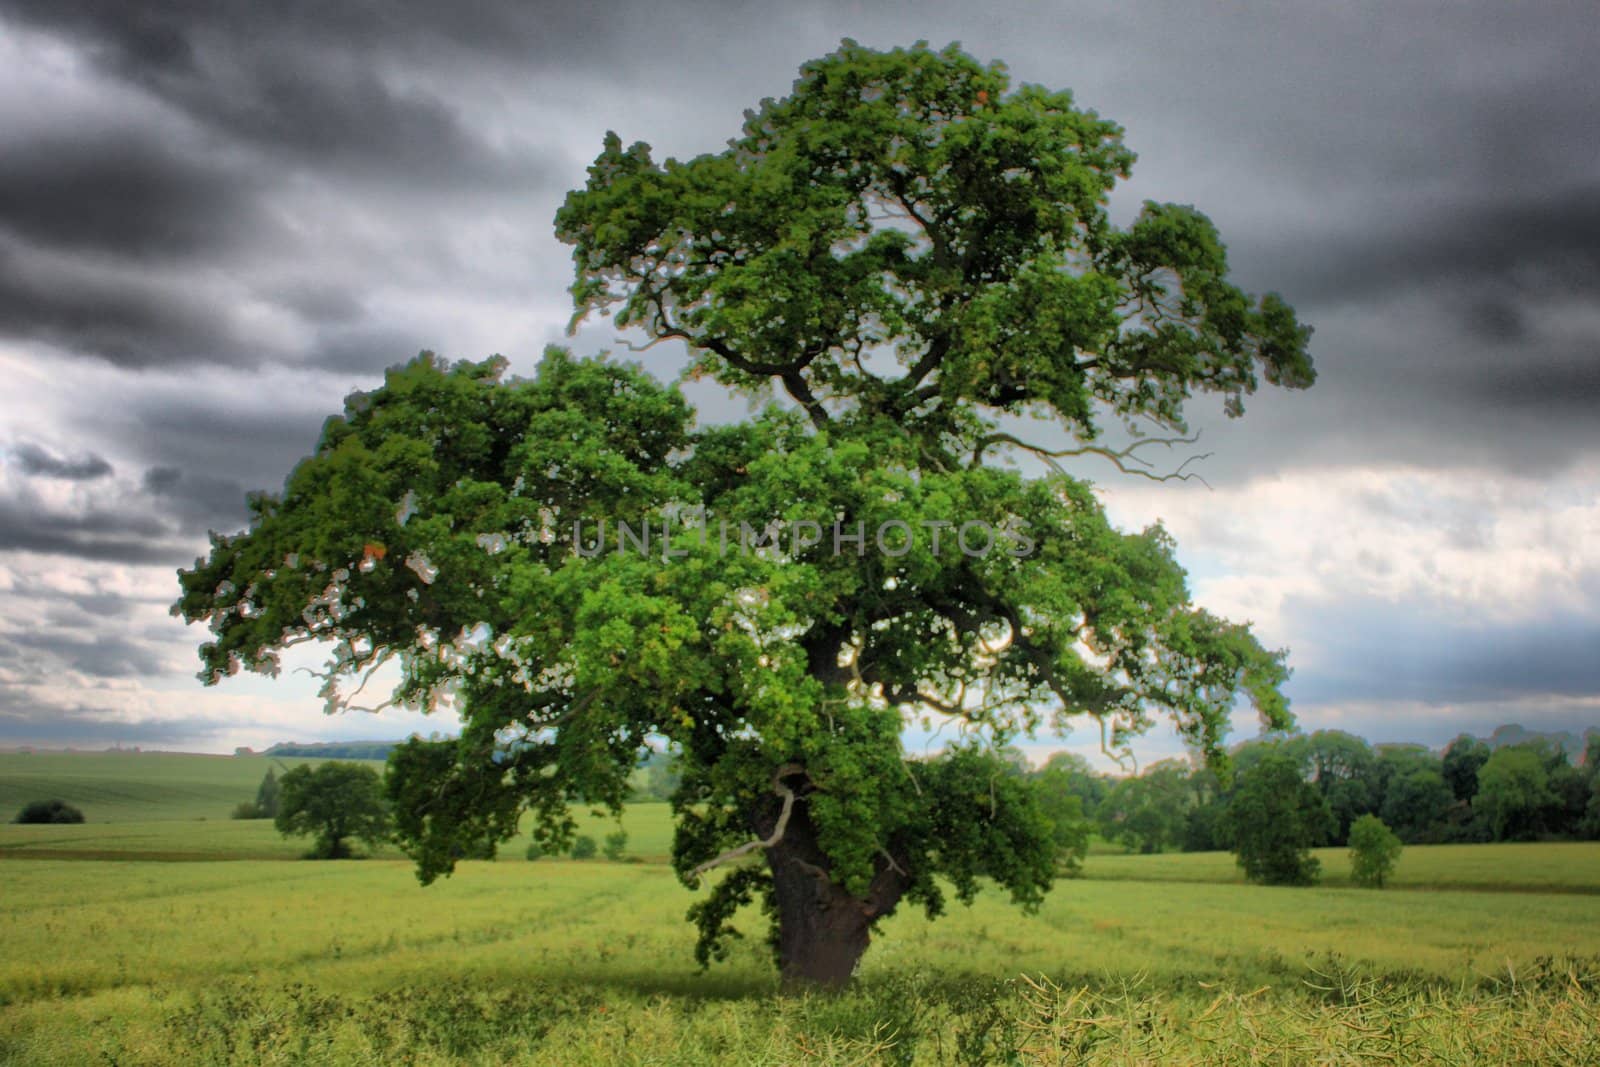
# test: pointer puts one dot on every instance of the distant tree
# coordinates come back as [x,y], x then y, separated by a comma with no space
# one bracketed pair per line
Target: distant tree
[1590,827]
[1247,754]
[1463,758]
[1069,828]
[335,802]
[1590,760]
[535,850]
[615,846]
[1416,802]
[1514,793]
[1206,827]
[49,811]
[341,750]
[1590,766]
[1146,813]
[1074,773]
[245,809]
[267,796]
[584,847]
[1275,818]
[1374,849]
[1569,786]
[1343,767]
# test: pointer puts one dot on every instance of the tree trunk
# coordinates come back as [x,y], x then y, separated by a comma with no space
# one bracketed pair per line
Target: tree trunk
[823,929]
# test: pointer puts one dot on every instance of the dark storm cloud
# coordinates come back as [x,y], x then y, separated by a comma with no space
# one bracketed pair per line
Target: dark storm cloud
[171,38]
[200,502]
[1505,251]
[300,81]
[77,606]
[34,460]
[121,192]
[1565,387]
[367,350]
[166,236]
[102,535]
[1376,650]
[217,438]
[130,319]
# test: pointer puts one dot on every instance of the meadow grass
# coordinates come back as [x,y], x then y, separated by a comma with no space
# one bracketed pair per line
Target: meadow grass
[116,787]
[244,961]
[1540,867]
[110,952]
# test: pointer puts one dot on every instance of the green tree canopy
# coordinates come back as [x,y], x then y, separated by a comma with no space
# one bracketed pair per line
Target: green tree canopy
[1147,812]
[1275,818]
[1374,850]
[910,251]
[1415,802]
[267,796]
[1463,758]
[1345,769]
[333,802]
[1514,793]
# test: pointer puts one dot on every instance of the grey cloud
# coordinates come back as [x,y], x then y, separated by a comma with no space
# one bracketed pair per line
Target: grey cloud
[200,502]
[34,460]
[1488,251]
[173,37]
[127,319]
[217,437]
[296,150]
[303,82]
[1567,386]
[1371,650]
[98,655]
[122,192]
[101,606]
[119,537]
[22,722]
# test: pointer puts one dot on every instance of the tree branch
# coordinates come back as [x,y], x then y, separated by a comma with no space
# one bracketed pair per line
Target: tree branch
[777,831]
[1119,457]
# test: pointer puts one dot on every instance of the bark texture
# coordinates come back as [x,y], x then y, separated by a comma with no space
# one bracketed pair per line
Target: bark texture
[823,928]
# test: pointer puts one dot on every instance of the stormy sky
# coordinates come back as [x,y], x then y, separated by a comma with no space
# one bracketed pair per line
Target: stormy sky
[217,219]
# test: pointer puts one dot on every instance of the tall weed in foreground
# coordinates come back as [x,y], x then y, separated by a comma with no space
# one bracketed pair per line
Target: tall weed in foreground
[1548,1015]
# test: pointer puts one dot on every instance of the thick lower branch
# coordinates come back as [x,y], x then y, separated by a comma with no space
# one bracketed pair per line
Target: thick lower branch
[777,832]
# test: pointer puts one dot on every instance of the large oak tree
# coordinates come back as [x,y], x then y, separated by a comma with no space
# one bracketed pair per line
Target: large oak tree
[908,256]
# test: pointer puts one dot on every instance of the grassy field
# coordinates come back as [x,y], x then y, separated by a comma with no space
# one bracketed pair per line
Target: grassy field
[111,953]
[116,787]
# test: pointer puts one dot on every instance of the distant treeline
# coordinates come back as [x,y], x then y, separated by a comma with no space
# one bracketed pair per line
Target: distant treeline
[334,749]
[1473,791]
[655,778]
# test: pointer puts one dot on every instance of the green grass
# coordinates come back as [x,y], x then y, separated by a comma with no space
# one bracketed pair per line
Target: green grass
[115,787]
[1545,867]
[113,955]
[243,954]
[649,828]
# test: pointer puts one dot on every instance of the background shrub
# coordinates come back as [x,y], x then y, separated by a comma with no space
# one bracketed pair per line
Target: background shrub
[49,811]
[1374,848]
